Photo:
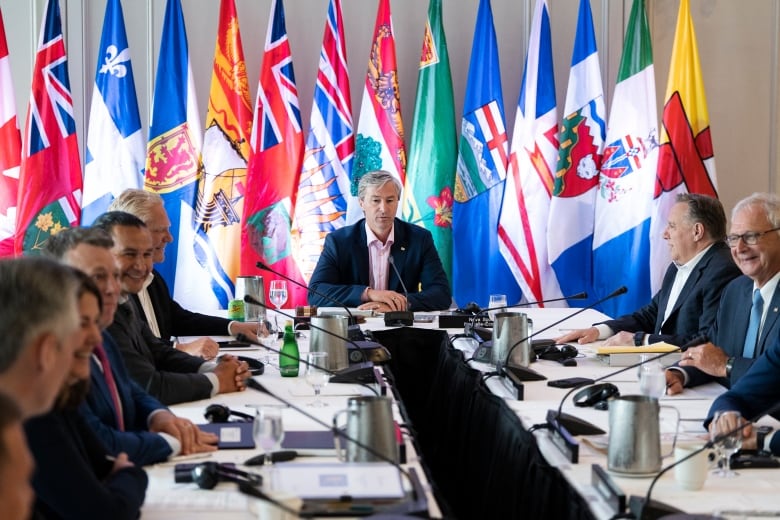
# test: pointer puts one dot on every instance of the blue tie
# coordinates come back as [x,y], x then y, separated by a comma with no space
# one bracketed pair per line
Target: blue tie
[754,325]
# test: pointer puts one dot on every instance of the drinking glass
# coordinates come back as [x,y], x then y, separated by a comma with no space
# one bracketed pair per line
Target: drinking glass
[498,303]
[652,377]
[317,375]
[268,430]
[724,422]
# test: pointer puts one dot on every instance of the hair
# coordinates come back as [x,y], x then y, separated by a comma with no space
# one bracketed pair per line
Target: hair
[37,296]
[768,202]
[10,414]
[70,238]
[376,179]
[136,202]
[707,211]
[111,219]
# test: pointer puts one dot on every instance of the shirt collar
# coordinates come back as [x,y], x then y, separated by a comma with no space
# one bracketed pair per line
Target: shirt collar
[371,237]
[690,264]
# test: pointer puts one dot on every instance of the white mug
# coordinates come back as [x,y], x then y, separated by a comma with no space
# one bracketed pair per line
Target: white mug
[692,473]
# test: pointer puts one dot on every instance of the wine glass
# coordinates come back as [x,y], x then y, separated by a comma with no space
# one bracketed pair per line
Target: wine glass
[278,293]
[722,423]
[317,375]
[268,431]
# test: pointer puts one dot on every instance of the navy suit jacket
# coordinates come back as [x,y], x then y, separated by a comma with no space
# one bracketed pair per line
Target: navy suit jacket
[696,306]
[342,270]
[730,328]
[142,446]
[756,392]
[166,373]
[175,320]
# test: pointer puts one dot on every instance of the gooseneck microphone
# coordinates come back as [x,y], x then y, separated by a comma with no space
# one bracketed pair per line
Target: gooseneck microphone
[645,509]
[394,318]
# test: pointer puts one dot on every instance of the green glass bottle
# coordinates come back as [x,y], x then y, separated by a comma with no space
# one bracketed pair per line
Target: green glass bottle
[289,363]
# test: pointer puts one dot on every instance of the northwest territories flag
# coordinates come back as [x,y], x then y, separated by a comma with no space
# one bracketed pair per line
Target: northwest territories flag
[50,177]
[522,227]
[380,139]
[478,269]
[116,154]
[583,129]
[173,161]
[621,245]
[10,151]
[686,162]
[321,205]
[225,152]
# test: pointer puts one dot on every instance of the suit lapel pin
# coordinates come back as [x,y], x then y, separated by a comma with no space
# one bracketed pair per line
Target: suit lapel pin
[403,248]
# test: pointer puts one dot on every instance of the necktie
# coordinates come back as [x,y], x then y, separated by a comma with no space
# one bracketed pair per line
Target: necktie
[754,325]
[100,353]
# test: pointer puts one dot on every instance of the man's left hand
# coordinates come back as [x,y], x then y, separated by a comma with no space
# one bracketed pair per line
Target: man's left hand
[384,301]
[708,358]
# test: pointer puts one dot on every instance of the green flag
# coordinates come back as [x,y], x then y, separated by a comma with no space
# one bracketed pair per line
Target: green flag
[430,172]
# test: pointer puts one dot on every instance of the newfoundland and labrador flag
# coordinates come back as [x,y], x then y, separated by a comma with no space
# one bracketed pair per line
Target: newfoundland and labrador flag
[10,151]
[116,153]
[686,162]
[624,202]
[173,161]
[478,269]
[50,178]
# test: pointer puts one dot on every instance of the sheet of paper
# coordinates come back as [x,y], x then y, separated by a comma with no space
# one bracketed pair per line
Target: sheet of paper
[334,480]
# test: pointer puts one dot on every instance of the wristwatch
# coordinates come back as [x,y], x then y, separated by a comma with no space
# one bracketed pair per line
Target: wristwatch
[761,433]
[729,366]
[639,339]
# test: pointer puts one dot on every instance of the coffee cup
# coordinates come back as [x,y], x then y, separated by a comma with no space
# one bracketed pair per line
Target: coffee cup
[690,473]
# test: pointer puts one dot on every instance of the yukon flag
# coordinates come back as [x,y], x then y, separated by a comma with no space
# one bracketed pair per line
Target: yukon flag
[321,203]
[478,269]
[221,189]
[10,151]
[274,164]
[522,226]
[686,161]
[173,161]
[116,153]
[430,176]
[380,139]
[624,203]
[50,177]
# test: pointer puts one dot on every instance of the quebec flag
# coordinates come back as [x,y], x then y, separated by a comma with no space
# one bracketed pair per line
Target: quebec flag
[116,149]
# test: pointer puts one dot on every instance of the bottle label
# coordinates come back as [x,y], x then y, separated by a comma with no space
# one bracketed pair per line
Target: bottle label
[235,310]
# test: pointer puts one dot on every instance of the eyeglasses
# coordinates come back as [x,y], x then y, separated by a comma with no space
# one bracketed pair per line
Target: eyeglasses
[750,238]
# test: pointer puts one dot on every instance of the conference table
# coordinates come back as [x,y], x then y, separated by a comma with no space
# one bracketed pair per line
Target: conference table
[474,444]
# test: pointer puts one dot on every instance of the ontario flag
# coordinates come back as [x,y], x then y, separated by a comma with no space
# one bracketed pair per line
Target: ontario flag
[582,134]
[222,186]
[50,177]
[274,163]
[686,162]
[478,269]
[430,178]
[173,160]
[10,151]
[621,245]
[380,139]
[321,203]
[116,152]
[522,226]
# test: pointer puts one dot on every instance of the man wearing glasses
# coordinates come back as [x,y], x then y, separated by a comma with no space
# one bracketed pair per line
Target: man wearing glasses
[747,320]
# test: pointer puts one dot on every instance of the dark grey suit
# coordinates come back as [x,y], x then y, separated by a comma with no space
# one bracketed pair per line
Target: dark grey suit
[696,306]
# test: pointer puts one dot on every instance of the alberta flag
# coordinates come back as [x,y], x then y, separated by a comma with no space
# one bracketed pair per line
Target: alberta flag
[583,130]
[222,186]
[478,269]
[686,162]
[430,176]
[625,199]
[50,177]
[380,139]
[274,163]
[115,143]
[321,203]
[173,160]
[522,227]
[10,151]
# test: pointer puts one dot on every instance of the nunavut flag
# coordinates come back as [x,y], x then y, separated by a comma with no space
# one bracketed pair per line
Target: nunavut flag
[686,161]
[50,177]
[10,151]
[274,163]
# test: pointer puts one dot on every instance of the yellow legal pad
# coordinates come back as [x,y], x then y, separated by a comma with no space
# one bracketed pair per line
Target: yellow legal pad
[655,348]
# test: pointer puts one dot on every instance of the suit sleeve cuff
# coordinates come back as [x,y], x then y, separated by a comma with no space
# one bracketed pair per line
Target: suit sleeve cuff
[173,442]
[605,331]
[681,371]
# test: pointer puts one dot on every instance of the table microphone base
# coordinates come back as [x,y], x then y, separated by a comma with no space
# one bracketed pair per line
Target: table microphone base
[361,373]
[650,510]
[399,318]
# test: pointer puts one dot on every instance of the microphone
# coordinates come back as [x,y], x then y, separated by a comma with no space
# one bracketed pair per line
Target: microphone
[397,318]
[645,508]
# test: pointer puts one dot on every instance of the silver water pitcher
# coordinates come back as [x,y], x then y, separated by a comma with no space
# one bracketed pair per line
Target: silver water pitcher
[370,422]
[508,329]
[253,286]
[321,341]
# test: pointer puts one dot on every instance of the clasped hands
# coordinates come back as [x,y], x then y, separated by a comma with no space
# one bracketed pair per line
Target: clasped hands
[384,301]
